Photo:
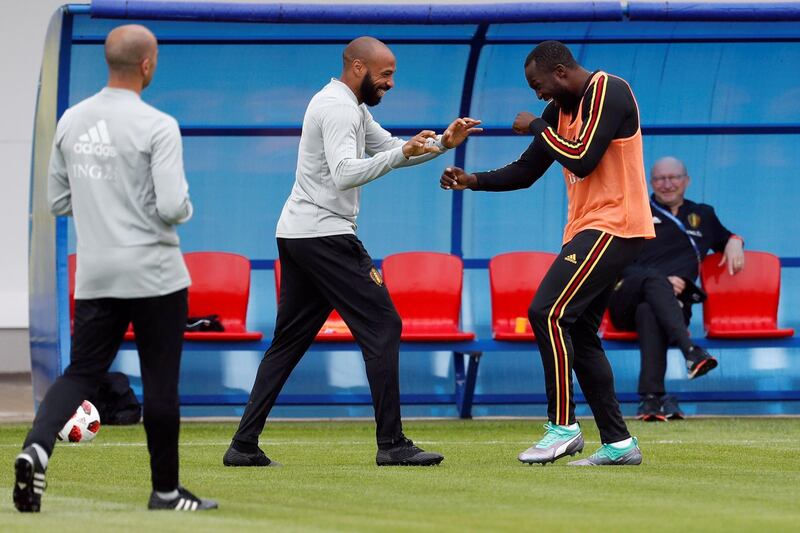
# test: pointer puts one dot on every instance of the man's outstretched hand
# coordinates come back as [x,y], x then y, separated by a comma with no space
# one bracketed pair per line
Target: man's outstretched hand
[420,144]
[459,130]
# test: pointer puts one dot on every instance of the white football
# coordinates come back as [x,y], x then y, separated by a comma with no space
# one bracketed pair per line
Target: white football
[83,426]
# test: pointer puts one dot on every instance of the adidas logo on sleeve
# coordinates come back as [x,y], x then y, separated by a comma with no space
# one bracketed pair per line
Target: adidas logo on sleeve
[96,142]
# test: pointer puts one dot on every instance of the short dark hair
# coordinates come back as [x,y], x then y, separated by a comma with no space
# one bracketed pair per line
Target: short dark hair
[549,54]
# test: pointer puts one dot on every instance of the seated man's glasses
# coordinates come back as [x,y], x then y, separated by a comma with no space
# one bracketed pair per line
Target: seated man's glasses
[676,178]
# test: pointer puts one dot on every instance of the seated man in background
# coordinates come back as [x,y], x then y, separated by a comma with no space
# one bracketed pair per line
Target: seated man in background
[655,294]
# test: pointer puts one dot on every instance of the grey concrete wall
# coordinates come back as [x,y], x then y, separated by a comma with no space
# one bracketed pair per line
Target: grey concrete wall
[14,351]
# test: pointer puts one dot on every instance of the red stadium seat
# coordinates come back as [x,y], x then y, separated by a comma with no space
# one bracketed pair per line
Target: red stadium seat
[333,330]
[610,333]
[220,286]
[743,306]
[514,278]
[426,290]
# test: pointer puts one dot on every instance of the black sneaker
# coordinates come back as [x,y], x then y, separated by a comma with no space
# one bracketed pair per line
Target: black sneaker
[699,362]
[30,483]
[650,409]
[404,453]
[669,404]
[234,457]
[185,501]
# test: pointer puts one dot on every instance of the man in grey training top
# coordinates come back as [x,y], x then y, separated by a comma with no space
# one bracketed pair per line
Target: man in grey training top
[324,266]
[117,167]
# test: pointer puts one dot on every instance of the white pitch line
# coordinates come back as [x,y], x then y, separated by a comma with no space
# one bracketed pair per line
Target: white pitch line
[269,443]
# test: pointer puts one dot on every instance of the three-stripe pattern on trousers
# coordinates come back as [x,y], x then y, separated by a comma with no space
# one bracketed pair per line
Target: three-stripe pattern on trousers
[556,334]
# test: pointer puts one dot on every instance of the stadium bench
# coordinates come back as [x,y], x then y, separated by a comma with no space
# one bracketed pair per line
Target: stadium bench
[220,286]
[422,282]
[466,371]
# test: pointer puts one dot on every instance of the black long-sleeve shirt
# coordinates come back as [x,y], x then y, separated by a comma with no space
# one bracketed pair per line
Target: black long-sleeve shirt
[671,253]
[616,118]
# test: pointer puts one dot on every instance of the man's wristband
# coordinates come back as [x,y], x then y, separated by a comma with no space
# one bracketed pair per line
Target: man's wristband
[738,237]
[437,141]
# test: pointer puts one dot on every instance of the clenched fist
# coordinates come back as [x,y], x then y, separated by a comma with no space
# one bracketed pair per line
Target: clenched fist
[454,178]
[522,123]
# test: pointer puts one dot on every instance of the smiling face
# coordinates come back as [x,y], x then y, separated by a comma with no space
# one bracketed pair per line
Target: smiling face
[669,180]
[550,85]
[368,69]
[378,76]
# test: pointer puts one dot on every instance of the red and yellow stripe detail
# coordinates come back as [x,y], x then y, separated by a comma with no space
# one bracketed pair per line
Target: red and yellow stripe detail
[577,149]
[556,334]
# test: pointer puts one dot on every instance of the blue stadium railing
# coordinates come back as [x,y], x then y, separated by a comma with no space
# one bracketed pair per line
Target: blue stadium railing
[465,375]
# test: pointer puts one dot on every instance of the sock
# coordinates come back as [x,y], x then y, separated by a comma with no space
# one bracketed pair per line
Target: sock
[573,427]
[685,347]
[167,495]
[694,354]
[43,458]
[622,444]
[687,353]
[244,447]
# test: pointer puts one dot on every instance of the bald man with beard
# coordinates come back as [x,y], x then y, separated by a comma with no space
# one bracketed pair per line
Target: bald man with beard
[117,168]
[324,266]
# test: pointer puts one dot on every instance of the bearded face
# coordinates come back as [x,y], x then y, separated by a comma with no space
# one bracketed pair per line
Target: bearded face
[372,92]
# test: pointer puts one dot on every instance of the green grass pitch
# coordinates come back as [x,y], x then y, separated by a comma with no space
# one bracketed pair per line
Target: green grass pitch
[697,475]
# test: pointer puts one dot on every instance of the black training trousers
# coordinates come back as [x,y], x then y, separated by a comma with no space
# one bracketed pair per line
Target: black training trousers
[317,275]
[648,305]
[100,324]
[566,314]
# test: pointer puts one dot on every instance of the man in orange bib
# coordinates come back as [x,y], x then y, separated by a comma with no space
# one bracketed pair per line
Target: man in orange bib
[591,127]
